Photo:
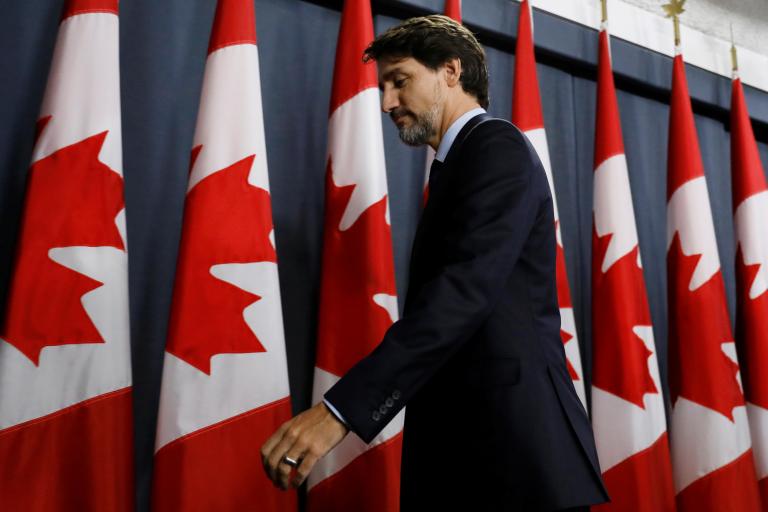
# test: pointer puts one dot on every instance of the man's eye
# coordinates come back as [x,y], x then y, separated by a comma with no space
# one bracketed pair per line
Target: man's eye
[399,83]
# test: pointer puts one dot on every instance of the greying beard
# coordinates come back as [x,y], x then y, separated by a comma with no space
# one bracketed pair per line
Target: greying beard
[422,130]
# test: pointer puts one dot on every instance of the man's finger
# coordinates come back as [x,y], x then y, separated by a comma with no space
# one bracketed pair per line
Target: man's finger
[290,436]
[267,447]
[285,469]
[283,474]
[302,472]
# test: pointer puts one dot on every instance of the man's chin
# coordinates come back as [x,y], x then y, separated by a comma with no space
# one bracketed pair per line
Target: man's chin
[410,139]
[412,143]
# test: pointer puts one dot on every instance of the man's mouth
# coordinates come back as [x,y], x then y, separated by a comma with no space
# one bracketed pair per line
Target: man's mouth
[399,119]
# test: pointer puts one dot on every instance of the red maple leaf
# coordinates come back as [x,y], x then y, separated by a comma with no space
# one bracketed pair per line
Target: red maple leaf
[561,276]
[72,200]
[619,305]
[752,333]
[357,264]
[563,297]
[226,220]
[566,337]
[699,370]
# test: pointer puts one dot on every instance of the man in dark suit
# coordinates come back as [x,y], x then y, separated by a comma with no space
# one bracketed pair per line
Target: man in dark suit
[493,421]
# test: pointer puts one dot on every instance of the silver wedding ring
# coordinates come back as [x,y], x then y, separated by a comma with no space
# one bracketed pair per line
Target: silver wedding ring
[291,462]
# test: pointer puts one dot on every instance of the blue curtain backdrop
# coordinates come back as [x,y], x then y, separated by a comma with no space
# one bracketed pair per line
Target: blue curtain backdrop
[163,51]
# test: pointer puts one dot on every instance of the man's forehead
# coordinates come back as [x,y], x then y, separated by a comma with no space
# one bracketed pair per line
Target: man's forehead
[391,65]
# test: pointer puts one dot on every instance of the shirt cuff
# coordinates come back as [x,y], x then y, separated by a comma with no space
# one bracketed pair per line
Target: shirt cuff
[335,412]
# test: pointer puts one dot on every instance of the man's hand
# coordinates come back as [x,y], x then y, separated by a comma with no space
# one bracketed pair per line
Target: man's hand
[306,438]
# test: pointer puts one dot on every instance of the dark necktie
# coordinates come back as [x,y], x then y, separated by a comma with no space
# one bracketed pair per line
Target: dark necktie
[434,171]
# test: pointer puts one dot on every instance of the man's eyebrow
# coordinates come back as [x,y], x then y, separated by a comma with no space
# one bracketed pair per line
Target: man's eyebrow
[389,75]
[392,71]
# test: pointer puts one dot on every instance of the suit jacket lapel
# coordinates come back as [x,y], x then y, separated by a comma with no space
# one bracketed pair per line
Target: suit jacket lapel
[462,136]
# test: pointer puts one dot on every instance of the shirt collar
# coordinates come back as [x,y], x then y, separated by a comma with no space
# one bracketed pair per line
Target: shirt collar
[453,131]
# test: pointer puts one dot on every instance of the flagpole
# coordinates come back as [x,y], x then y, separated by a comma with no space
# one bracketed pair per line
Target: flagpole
[734,55]
[674,9]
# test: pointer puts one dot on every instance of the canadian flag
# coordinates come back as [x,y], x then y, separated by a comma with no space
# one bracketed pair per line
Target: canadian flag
[358,299]
[453,11]
[225,380]
[527,115]
[628,415]
[750,200]
[711,454]
[66,432]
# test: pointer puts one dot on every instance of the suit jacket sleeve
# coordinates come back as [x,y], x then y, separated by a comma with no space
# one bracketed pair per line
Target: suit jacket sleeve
[496,206]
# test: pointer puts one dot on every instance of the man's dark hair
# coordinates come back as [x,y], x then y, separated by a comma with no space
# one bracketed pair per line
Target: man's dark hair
[433,41]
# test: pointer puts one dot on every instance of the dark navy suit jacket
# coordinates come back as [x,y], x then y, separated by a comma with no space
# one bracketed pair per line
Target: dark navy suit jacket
[492,420]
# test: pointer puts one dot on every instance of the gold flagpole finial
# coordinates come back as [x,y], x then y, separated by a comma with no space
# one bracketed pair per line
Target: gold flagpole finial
[604,5]
[674,9]
[734,55]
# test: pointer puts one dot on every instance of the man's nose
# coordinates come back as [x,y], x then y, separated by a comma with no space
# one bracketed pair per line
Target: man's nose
[389,101]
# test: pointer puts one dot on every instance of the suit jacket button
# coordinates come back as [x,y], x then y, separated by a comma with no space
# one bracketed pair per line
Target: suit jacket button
[376,416]
[383,409]
[389,402]
[396,394]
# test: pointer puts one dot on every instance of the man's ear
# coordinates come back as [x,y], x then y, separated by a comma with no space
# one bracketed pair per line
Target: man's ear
[452,69]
